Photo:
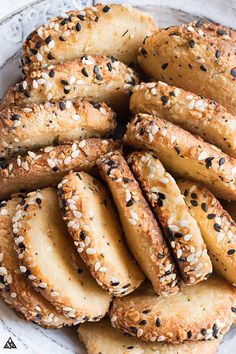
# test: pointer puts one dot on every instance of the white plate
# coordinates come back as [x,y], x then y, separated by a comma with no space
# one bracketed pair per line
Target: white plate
[28,337]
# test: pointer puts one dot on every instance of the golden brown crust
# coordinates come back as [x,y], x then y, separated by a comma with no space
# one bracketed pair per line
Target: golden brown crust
[49,260]
[97,78]
[102,338]
[184,154]
[47,166]
[198,115]
[199,57]
[198,312]
[115,30]
[181,230]
[32,127]
[14,288]
[217,227]
[141,229]
[94,226]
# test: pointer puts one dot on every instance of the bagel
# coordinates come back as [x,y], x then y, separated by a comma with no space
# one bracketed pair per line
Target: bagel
[198,312]
[216,225]
[49,260]
[181,230]
[14,288]
[116,30]
[93,223]
[97,78]
[201,116]
[47,166]
[102,338]
[143,235]
[184,154]
[28,128]
[198,57]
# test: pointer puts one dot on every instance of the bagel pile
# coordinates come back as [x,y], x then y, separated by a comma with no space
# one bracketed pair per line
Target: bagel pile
[138,233]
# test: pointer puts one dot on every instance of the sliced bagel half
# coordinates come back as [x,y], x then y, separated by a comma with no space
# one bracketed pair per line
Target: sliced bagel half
[50,261]
[94,225]
[15,290]
[184,154]
[47,166]
[117,30]
[102,338]
[28,128]
[180,227]
[217,227]
[198,312]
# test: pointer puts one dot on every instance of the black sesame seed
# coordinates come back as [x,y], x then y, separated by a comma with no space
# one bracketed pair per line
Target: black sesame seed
[115,283]
[79,270]
[130,347]
[230,252]
[169,234]
[189,334]
[21,246]
[21,88]
[204,207]
[158,322]
[221,32]
[33,51]
[203,331]
[126,180]
[38,201]
[141,131]
[130,202]
[26,94]
[78,27]
[38,45]
[164,66]
[214,327]
[39,316]
[146,311]
[51,73]
[159,202]
[164,100]
[3,164]
[177,149]
[64,21]
[82,235]
[81,17]
[106,8]
[191,43]
[209,161]
[203,68]
[217,53]
[133,330]
[178,234]
[2,279]
[99,77]
[85,318]
[15,117]
[64,82]
[142,322]
[233,309]
[186,193]
[48,39]
[55,169]
[62,39]
[172,93]
[27,60]
[84,72]
[50,56]
[96,69]
[66,90]
[199,23]
[233,72]
[109,66]
[217,227]
[193,195]
[211,216]
[194,203]
[143,52]
[162,195]
[62,106]
[221,161]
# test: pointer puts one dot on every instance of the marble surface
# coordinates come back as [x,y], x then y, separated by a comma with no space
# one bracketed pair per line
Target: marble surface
[30,338]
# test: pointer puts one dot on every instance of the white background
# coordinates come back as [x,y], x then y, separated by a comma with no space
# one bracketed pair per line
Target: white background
[7,6]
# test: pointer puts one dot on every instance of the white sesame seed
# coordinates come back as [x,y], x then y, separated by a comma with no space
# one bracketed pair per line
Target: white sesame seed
[103,269]
[183,223]
[164,180]
[91,251]
[48,149]
[176,92]
[49,96]
[43,285]
[13,295]
[139,332]
[68,104]
[132,221]
[77,214]
[3,271]
[190,258]
[191,104]
[76,117]
[31,277]
[67,160]
[39,57]
[24,84]
[51,44]
[82,144]
[220,236]
[187,237]
[97,266]
[174,228]
[23,269]
[179,253]
[35,84]
[51,163]
[190,28]
[161,338]
[202,156]
[3,212]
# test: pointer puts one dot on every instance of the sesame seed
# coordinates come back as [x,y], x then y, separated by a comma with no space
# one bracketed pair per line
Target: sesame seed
[233,72]
[203,68]
[217,53]
[90,251]
[231,251]
[191,43]
[139,332]
[202,156]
